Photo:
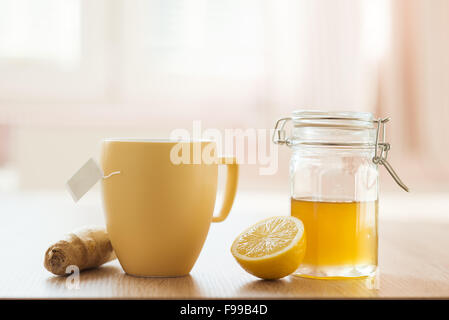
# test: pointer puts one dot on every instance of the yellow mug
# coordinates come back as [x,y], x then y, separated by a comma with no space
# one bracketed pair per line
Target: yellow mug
[159,209]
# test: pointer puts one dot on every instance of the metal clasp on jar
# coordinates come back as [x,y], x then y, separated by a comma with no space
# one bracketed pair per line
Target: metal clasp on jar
[279,132]
[381,152]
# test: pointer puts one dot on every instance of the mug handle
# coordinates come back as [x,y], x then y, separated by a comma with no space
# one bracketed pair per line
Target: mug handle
[231,187]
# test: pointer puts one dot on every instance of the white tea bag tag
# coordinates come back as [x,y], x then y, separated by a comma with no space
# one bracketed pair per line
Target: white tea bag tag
[84,179]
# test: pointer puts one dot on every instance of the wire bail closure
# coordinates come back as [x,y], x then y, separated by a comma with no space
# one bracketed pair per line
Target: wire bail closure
[381,152]
[381,147]
[279,132]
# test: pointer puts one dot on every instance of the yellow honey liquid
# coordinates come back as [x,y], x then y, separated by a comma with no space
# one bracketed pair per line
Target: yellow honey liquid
[341,238]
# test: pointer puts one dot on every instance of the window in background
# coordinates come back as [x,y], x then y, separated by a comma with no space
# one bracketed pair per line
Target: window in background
[376,28]
[147,58]
[44,30]
[205,37]
[53,54]
[186,57]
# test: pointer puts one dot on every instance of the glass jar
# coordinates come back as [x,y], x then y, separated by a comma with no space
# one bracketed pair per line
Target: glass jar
[334,189]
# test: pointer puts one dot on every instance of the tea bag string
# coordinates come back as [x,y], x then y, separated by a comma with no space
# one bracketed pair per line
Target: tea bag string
[111,174]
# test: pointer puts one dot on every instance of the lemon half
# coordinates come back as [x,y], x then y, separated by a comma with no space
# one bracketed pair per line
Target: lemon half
[272,248]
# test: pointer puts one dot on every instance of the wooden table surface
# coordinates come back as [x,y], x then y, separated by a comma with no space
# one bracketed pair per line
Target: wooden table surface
[413,253]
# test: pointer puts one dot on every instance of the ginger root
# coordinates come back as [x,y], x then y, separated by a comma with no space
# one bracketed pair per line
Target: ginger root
[86,248]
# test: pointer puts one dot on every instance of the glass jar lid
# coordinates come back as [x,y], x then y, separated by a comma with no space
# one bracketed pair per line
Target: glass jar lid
[333,118]
[344,129]
[337,128]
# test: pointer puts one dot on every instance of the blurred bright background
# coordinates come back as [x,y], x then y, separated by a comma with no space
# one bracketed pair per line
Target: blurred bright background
[75,71]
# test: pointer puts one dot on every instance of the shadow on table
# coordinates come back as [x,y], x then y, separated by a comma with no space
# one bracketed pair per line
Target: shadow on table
[112,281]
[297,287]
